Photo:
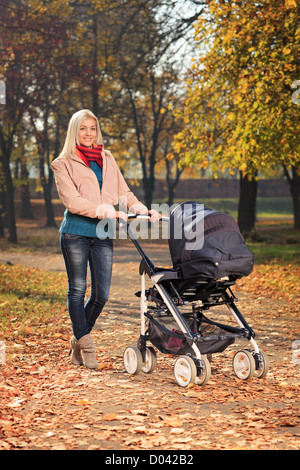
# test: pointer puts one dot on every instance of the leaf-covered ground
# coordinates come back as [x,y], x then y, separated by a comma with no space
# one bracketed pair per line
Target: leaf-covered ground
[46,403]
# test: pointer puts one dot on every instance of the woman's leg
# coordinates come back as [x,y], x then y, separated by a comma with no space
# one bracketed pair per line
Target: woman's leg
[75,249]
[101,260]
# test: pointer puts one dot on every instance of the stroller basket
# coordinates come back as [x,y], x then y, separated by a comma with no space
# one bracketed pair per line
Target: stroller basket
[166,337]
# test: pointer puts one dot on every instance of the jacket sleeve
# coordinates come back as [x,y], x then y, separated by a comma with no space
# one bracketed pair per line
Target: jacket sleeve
[69,194]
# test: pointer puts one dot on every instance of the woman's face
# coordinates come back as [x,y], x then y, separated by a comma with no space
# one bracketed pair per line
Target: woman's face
[87,132]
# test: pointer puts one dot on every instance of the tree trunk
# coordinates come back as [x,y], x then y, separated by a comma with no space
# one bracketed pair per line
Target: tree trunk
[26,208]
[50,222]
[11,215]
[43,141]
[2,234]
[9,206]
[148,186]
[172,182]
[247,204]
[294,183]
[95,81]
[47,188]
[3,210]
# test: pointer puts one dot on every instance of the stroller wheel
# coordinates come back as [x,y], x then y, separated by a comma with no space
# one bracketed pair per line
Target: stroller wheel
[133,360]
[262,364]
[185,371]
[209,357]
[205,375]
[150,361]
[244,364]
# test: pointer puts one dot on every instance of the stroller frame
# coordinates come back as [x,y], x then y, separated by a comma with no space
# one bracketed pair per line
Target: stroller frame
[192,366]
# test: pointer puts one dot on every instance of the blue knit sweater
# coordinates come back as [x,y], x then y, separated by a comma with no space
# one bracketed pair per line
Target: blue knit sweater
[80,225]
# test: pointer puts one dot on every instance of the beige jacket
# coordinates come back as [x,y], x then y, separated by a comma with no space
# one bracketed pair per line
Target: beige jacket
[79,190]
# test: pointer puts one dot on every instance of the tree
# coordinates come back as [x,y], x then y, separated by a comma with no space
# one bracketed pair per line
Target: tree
[126,76]
[22,174]
[148,70]
[109,56]
[30,41]
[20,91]
[239,111]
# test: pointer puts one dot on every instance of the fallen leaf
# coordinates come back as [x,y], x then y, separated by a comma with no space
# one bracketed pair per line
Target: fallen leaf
[177,431]
[83,401]
[80,426]
[173,422]
[110,417]
[140,429]
[105,366]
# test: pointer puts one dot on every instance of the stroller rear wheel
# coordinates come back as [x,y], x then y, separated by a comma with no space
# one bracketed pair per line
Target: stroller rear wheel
[133,360]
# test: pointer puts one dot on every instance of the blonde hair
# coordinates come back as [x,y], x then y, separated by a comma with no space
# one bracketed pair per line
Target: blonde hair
[73,130]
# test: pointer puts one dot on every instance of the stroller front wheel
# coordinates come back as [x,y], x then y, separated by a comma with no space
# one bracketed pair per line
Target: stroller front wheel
[133,360]
[185,371]
[205,374]
[244,364]
[262,364]
[150,360]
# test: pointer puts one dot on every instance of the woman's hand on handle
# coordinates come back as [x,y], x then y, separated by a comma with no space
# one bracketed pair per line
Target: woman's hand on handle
[109,212]
[154,215]
[122,215]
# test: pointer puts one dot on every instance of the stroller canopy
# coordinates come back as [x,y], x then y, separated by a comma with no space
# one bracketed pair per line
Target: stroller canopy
[205,243]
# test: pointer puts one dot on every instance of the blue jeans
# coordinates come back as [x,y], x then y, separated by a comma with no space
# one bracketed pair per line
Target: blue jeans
[78,251]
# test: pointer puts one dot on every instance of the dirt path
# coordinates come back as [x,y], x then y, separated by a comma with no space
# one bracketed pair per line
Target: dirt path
[54,405]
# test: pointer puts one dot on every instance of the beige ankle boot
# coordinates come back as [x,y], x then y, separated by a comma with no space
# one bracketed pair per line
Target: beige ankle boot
[76,357]
[87,347]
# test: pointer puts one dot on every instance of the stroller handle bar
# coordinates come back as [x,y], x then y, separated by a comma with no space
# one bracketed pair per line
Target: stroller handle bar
[145,217]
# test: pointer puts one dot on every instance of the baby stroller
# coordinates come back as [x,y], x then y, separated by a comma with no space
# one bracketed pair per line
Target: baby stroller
[208,254]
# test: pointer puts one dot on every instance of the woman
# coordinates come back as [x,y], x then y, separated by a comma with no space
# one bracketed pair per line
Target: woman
[89,185]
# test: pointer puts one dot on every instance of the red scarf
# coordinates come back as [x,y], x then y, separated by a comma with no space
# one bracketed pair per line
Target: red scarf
[91,155]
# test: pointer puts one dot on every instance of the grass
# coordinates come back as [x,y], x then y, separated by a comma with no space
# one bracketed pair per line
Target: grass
[275,241]
[273,254]
[274,207]
[267,207]
[31,300]
[32,238]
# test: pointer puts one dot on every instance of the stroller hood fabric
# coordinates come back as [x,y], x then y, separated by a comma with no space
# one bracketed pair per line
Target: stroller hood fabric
[207,244]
